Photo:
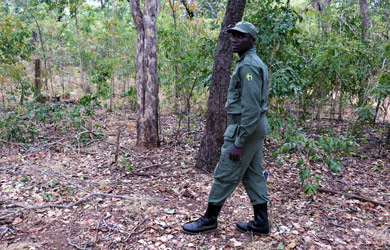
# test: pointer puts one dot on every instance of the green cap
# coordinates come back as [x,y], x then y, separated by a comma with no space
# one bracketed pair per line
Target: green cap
[245,27]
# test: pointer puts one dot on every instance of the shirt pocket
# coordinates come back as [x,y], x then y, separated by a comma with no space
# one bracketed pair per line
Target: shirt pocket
[230,132]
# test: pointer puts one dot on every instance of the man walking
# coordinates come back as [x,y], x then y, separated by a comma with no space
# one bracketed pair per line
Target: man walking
[241,153]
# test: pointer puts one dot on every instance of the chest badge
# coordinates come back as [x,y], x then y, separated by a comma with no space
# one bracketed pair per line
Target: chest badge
[249,77]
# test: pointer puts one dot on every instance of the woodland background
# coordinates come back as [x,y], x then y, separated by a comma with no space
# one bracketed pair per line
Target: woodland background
[75,173]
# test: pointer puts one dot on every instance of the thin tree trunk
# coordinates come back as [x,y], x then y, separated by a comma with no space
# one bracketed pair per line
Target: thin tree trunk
[176,70]
[187,5]
[22,91]
[318,5]
[146,76]
[37,80]
[216,116]
[2,92]
[377,110]
[340,117]
[112,96]
[85,88]
[365,19]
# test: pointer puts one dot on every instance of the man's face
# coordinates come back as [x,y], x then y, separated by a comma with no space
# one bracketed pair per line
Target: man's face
[241,42]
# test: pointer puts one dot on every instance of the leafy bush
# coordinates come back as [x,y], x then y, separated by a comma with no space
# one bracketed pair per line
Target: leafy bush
[325,149]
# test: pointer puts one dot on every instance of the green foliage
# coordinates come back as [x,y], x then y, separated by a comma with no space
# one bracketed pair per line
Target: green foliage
[14,127]
[382,90]
[14,36]
[308,152]
[89,102]
[278,44]
[131,94]
[22,124]
[186,50]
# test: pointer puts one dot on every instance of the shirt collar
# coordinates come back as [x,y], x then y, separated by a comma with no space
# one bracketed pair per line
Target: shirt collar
[249,51]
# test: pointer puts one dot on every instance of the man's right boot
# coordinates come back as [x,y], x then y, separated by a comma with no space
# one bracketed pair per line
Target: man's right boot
[206,224]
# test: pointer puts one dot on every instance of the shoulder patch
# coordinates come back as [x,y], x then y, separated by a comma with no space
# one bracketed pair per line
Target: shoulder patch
[249,77]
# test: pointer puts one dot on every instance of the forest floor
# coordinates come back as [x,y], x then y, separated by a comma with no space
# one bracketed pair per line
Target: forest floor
[62,192]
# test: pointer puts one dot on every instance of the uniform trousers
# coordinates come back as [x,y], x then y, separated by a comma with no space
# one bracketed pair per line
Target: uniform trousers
[249,170]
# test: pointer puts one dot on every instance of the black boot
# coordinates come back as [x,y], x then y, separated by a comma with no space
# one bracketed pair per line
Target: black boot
[258,226]
[205,224]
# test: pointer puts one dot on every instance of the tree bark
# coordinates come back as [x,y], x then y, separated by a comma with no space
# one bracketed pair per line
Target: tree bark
[146,76]
[83,85]
[37,80]
[216,116]
[365,19]
[187,5]
[318,5]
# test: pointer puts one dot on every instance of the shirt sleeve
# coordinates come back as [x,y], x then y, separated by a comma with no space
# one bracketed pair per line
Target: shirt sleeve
[251,96]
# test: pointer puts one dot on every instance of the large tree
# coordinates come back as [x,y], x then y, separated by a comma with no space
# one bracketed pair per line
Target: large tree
[216,118]
[146,76]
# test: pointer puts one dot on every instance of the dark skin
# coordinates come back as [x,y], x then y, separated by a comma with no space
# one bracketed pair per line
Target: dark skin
[241,43]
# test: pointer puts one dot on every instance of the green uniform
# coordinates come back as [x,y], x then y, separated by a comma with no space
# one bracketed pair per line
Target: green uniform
[247,125]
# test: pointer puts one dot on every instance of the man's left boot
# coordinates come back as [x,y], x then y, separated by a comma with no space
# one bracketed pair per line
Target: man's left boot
[206,224]
[258,226]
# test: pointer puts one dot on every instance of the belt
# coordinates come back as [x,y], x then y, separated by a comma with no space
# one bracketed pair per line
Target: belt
[233,118]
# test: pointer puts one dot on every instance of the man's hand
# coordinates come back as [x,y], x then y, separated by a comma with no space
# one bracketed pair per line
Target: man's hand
[235,153]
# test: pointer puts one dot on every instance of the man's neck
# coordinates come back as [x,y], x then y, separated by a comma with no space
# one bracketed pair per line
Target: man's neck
[240,54]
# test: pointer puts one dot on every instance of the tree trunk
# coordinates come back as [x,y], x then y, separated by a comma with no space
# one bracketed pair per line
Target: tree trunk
[365,19]
[2,81]
[37,80]
[318,5]
[340,117]
[146,76]
[216,116]
[187,5]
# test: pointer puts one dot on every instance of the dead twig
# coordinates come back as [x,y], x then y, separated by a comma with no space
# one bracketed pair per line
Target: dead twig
[76,246]
[24,208]
[93,141]
[107,226]
[13,143]
[97,230]
[351,196]
[5,230]
[35,230]
[144,168]
[110,232]
[117,145]
[61,179]
[123,149]
[135,228]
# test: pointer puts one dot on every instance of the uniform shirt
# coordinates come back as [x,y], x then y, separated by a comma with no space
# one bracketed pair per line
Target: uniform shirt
[247,94]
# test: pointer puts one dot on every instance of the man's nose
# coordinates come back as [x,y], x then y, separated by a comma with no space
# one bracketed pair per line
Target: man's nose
[234,38]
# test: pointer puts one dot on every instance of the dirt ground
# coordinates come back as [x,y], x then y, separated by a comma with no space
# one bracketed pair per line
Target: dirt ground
[60,193]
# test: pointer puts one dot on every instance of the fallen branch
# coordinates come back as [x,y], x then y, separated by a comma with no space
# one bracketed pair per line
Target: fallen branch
[134,229]
[13,143]
[76,246]
[61,179]
[24,208]
[5,230]
[121,148]
[35,230]
[351,196]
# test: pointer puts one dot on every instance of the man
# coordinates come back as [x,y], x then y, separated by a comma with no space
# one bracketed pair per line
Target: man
[241,153]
